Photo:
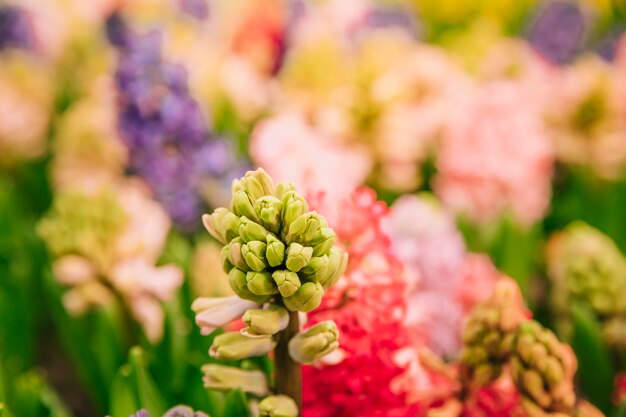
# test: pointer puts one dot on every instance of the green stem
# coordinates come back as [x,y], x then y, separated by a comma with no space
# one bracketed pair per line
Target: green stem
[287,374]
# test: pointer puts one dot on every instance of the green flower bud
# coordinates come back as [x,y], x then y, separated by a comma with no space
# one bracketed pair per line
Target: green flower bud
[243,205]
[305,227]
[234,346]
[254,255]
[227,265]
[288,282]
[269,209]
[235,254]
[249,230]
[308,297]
[283,188]
[257,184]
[278,406]
[317,268]
[298,256]
[337,263]
[261,283]
[293,207]
[316,342]
[275,251]
[265,322]
[323,241]
[221,377]
[239,284]
[222,224]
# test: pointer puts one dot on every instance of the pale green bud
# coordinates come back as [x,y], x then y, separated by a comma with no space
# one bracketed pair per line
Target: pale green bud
[337,263]
[239,284]
[236,256]
[298,256]
[243,205]
[323,241]
[317,268]
[257,183]
[265,322]
[221,377]
[275,251]
[305,227]
[283,188]
[293,207]
[261,283]
[249,230]
[269,209]
[288,282]
[234,346]
[278,406]
[214,312]
[222,224]
[236,186]
[308,297]
[227,265]
[254,255]
[316,342]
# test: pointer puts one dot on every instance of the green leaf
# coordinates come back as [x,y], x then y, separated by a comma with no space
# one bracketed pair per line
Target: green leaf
[595,372]
[236,405]
[3,410]
[123,402]
[147,392]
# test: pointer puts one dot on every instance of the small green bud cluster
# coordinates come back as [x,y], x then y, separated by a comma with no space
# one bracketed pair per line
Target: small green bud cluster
[543,370]
[585,266]
[499,335]
[274,247]
[489,333]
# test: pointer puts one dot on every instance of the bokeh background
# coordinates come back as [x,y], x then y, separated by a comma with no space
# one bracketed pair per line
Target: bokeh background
[455,140]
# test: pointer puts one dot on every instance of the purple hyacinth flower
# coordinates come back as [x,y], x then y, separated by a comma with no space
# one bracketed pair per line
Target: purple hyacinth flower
[16,29]
[558,32]
[167,133]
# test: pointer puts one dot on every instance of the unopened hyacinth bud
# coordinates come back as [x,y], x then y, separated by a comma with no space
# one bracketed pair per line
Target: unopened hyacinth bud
[261,283]
[267,321]
[254,255]
[275,247]
[308,297]
[543,370]
[222,377]
[489,332]
[234,346]
[287,282]
[298,256]
[249,230]
[323,241]
[212,313]
[275,252]
[235,254]
[586,266]
[315,343]
[294,206]
[269,210]
[223,225]
[239,284]
[305,228]
[278,406]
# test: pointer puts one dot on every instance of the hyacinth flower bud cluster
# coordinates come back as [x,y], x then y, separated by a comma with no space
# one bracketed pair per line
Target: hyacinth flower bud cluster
[543,370]
[586,266]
[489,334]
[279,257]
[501,341]
[275,249]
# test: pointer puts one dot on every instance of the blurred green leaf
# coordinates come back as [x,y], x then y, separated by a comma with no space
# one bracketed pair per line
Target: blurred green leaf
[236,405]
[123,402]
[595,373]
[3,410]
[33,397]
[147,392]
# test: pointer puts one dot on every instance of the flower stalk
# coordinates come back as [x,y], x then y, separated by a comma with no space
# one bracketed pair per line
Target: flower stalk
[288,374]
